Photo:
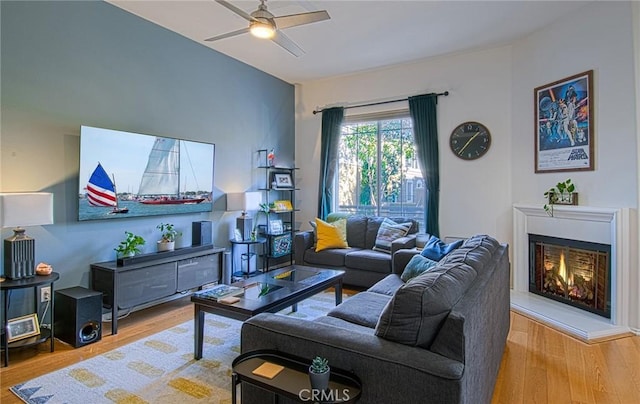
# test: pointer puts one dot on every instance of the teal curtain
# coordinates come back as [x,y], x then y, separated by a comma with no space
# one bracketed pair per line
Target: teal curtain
[425,128]
[330,140]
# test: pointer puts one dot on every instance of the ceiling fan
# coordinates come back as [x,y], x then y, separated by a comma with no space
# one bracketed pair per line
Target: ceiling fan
[263,24]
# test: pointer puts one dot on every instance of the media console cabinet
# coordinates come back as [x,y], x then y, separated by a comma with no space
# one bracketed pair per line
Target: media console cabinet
[143,279]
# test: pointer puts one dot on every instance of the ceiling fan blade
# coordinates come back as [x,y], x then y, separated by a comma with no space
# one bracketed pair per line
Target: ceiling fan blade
[281,39]
[236,10]
[292,20]
[228,34]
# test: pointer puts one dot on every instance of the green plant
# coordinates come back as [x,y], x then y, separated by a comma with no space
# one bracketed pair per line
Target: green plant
[561,193]
[264,289]
[319,365]
[129,246]
[264,208]
[168,232]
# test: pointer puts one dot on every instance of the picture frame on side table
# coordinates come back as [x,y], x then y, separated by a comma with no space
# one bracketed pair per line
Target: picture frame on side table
[281,180]
[564,136]
[22,327]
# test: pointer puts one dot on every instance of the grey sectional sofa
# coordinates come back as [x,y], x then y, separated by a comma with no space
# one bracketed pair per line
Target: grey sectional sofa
[439,338]
[363,266]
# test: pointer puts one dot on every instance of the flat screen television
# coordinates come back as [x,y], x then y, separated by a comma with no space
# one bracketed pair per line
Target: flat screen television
[126,174]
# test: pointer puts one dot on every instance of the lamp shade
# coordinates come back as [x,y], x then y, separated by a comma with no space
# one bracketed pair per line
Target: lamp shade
[244,201]
[19,210]
[26,209]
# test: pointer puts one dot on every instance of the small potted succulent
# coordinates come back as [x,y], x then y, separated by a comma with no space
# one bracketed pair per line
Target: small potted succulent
[169,234]
[319,373]
[130,245]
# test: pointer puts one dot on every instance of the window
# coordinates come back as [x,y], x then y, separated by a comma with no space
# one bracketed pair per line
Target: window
[378,173]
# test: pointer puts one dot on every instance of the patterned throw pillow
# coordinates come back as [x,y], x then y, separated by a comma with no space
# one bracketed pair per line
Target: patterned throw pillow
[416,266]
[388,232]
[331,235]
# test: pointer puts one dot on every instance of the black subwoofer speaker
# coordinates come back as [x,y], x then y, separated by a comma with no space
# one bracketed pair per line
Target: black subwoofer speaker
[201,233]
[78,316]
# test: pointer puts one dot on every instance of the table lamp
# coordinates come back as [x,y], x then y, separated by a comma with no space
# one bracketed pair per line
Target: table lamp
[244,201]
[17,210]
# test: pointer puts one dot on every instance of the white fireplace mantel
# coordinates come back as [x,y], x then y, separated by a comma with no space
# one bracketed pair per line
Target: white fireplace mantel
[592,224]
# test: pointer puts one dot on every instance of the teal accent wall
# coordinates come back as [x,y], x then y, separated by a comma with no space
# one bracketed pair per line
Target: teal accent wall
[70,63]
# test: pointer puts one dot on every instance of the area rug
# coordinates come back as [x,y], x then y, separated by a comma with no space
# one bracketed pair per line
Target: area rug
[159,368]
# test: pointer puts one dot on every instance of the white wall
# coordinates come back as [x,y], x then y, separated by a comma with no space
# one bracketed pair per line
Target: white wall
[598,37]
[479,90]
[495,87]
[636,242]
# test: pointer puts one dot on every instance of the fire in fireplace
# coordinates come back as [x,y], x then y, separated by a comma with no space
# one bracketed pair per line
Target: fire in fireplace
[574,272]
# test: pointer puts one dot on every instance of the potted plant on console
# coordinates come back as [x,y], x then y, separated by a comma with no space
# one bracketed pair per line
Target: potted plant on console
[319,373]
[169,234]
[130,245]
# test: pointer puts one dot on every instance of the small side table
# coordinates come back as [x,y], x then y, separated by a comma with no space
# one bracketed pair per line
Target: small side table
[32,282]
[293,381]
[248,243]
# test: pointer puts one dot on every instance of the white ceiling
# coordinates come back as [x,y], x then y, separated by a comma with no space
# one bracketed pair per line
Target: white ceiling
[361,35]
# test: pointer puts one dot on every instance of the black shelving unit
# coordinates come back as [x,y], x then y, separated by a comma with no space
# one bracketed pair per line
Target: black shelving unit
[279,247]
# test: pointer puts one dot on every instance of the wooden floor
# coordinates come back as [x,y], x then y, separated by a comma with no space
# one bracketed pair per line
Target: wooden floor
[540,365]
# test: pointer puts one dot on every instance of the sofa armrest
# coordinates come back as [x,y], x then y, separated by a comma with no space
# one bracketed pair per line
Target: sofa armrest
[401,258]
[408,241]
[302,241]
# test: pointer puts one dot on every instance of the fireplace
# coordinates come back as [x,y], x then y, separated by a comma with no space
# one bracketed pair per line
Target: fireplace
[605,226]
[574,272]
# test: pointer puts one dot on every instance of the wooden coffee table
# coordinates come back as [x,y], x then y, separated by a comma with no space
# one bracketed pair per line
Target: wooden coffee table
[267,293]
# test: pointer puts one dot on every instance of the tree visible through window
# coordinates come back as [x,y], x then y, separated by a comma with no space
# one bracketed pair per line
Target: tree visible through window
[377,170]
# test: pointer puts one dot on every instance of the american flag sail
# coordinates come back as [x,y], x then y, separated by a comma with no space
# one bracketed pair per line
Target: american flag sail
[100,189]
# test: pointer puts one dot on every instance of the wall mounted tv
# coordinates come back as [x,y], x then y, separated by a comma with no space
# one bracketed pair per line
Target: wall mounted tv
[126,174]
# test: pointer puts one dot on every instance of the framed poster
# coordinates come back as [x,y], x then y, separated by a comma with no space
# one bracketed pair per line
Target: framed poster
[22,327]
[564,125]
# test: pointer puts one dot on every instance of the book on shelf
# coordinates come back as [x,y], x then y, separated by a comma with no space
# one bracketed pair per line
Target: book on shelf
[282,206]
[219,292]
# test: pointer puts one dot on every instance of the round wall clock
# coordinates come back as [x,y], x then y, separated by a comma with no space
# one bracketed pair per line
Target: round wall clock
[470,140]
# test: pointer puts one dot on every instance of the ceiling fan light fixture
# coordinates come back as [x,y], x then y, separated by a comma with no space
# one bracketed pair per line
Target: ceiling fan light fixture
[262,29]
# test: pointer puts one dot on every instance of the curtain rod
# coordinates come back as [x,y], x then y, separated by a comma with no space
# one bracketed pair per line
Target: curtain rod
[446,93]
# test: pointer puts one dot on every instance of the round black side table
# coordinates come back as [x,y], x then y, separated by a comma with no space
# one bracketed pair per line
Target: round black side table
[33,282]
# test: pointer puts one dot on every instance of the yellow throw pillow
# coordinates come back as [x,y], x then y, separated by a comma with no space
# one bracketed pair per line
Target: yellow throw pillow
[331,235]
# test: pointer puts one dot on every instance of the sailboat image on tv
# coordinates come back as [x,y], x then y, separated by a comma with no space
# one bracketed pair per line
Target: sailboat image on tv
[160,184]
[101,191]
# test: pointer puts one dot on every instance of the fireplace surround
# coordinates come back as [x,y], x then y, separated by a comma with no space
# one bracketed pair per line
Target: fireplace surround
[606,226]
